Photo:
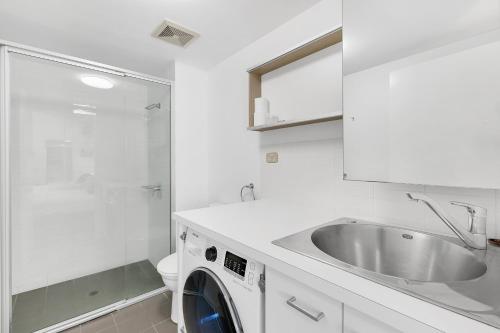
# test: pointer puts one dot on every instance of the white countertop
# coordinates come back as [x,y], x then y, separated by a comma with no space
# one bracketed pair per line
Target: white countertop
[250,228]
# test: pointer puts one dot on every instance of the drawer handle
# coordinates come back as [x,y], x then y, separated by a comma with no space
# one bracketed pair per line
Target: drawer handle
[315,317]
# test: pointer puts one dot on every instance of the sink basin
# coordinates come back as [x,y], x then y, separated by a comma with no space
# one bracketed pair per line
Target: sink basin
[436,269]
[398,252]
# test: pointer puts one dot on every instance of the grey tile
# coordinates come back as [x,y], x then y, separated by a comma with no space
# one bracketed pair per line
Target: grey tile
[29,312]
[137,322]
[60,303]
[158,308]
[150,330]
[31,301]
[135,318]
[166,326]
[141,277]
[28,324]
[98,290]
[125,313]
[112,329]
[98,324]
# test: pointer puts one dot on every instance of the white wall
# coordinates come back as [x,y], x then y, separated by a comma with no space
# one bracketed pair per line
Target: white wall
[311,161]
[190,139]
[233,151]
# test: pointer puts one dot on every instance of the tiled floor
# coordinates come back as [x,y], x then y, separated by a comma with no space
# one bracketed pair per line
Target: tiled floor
[149,316]
[39,308]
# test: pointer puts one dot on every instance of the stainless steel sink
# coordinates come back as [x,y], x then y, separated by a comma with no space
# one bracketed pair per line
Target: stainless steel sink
[438,269]
[398,252]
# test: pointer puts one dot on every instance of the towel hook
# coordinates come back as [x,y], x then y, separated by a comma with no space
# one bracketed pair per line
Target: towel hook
[250,187]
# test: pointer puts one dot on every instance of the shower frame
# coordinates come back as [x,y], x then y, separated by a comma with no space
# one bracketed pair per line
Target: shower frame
[6,48]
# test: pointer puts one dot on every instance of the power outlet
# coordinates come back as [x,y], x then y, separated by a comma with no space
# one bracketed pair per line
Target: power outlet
[272,157]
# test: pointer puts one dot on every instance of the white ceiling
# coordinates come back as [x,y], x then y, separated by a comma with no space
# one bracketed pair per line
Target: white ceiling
[118,32]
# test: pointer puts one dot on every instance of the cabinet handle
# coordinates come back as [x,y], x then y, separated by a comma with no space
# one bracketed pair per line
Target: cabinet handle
[315,317]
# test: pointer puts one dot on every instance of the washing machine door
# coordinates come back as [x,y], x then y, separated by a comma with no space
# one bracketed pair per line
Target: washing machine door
[207,306]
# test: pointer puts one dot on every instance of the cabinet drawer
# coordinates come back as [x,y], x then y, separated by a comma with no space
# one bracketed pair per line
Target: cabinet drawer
[381,320]
[358,322]
[294,307]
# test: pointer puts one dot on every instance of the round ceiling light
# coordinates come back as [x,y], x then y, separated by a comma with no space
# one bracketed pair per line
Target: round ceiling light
[97,82]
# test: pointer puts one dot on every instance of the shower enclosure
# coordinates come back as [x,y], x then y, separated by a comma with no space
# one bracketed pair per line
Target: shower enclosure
[85,206]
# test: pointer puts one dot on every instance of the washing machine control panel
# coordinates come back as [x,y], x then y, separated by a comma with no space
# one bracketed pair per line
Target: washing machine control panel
[215,256]
[235,264]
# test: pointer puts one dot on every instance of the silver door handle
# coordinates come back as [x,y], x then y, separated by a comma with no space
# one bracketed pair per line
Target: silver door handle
[152,187]
[314,316]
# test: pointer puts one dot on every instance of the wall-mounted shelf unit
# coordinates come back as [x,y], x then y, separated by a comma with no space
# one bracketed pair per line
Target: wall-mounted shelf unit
[255,78]
[296,122]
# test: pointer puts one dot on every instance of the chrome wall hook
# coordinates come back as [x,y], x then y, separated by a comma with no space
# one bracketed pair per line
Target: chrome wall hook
[250,187]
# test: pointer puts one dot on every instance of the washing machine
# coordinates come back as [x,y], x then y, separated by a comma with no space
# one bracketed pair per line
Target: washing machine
[222,291]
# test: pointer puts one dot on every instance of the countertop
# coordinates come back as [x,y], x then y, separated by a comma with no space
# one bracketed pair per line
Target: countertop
[250,228]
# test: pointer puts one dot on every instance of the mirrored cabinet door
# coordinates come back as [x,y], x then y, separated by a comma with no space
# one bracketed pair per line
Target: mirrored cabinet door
[422,92]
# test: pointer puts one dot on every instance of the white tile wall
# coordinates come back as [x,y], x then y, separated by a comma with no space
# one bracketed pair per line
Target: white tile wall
[313,170]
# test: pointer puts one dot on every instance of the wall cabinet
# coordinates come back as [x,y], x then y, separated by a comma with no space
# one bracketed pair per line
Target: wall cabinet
[294,307]
[304,84]
[422,107]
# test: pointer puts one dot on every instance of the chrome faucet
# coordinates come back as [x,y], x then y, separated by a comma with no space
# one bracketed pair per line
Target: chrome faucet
[475,234]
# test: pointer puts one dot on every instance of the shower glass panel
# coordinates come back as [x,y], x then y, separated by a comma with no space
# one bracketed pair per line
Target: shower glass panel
[90,189]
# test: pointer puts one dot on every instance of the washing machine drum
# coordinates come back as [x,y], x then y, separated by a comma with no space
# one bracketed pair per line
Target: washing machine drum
[207,306]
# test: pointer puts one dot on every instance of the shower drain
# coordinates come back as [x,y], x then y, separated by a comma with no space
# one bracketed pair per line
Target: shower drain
[93,293]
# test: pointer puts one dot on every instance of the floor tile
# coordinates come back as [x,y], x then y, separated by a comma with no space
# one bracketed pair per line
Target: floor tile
[140,278]
[30,301]
[60,305]
[28,325]
[98,324]
[125,313]
[158,308]
[112,329]
[136,324]
[30,310]
[166,326]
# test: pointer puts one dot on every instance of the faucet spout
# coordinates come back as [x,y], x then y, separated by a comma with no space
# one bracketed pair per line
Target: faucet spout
[475,236]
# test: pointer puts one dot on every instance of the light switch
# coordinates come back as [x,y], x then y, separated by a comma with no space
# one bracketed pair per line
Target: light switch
[272,157]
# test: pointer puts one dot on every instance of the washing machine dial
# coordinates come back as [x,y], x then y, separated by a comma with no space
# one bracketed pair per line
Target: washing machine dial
[211,253]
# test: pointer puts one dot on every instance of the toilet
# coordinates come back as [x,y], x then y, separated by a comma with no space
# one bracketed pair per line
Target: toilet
[167,268]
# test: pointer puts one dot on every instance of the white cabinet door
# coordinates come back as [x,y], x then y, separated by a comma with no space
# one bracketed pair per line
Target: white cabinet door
[384,321]
[293,307]
[358,322]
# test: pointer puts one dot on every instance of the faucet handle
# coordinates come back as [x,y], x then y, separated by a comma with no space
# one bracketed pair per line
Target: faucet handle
[472,209]
[477,216]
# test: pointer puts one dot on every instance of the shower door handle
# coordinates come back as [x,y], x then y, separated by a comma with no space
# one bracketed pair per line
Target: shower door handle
[153,188]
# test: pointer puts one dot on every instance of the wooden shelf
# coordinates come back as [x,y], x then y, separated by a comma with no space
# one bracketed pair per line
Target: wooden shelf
[296,122]
[255,76]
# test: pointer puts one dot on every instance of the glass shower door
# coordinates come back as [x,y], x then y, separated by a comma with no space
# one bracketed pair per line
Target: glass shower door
[147,197]
[87,228]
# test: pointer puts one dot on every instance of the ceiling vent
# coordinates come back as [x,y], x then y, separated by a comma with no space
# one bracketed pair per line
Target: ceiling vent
[175,34]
